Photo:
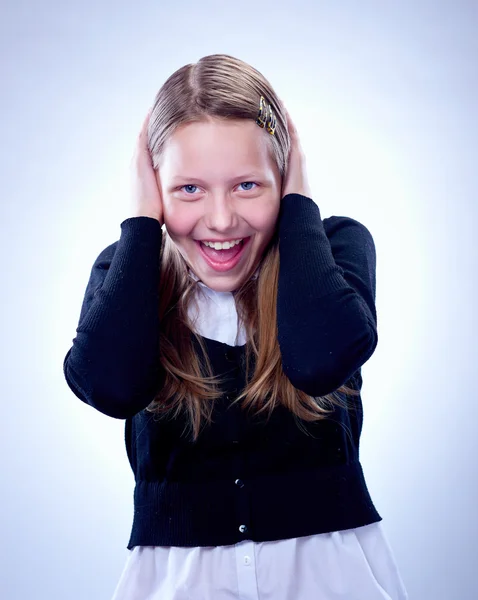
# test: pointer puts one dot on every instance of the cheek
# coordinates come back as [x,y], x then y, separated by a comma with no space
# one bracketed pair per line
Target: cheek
[180,217]
[264,216]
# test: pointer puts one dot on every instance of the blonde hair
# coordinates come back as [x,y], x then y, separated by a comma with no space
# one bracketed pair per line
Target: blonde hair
[223,87]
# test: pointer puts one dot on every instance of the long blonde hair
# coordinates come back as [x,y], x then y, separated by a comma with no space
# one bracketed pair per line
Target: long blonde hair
[222,87]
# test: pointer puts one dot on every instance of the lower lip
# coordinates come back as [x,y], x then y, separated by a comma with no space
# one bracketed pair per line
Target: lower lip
[224,266]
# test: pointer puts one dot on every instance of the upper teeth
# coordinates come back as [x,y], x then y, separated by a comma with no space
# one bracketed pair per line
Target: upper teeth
[222,245]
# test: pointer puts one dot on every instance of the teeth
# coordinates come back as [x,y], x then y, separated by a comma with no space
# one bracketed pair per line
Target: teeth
[222,246]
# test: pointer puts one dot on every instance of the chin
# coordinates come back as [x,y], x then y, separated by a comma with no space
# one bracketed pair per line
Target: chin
[223,283]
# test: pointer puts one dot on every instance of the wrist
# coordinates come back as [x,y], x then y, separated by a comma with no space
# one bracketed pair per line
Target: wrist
[151,215]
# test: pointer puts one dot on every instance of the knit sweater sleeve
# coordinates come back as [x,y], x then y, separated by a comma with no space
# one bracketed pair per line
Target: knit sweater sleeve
[326,316]
[113,364]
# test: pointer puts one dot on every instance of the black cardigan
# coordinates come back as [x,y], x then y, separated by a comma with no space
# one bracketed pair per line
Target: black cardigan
[245,477]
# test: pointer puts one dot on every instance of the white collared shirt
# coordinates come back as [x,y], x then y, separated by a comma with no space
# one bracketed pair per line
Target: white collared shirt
[355,564]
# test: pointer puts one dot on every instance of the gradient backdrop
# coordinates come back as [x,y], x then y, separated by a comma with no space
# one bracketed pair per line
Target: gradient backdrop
[385,97]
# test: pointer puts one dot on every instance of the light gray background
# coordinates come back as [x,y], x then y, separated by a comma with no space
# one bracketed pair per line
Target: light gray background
[385,99]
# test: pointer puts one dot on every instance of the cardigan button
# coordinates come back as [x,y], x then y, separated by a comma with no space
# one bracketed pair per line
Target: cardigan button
[239,483]
[242,528]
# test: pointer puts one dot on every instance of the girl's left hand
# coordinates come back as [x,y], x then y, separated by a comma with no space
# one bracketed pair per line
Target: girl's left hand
[295,180]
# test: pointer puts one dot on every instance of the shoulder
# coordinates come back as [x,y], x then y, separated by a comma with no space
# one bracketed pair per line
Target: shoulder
[345,230]
[345,225]
[105,257]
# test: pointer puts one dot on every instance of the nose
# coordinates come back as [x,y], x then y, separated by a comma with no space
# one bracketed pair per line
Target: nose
[220,213]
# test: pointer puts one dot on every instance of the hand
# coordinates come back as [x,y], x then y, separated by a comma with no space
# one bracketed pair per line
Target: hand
[295,180]
[145,196]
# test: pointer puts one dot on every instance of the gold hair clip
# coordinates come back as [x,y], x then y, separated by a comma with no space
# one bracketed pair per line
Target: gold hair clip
[262,119]
[271,125]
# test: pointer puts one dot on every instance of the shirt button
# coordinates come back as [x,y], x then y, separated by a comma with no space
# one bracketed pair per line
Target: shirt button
[239,483]
[247,560]
[242,528]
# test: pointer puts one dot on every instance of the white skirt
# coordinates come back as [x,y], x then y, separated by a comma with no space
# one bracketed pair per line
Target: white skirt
[355,564]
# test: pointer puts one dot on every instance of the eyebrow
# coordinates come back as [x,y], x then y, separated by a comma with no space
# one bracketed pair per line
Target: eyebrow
[245,177]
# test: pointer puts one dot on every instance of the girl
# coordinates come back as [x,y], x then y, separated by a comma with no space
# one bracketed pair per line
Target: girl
[232,342]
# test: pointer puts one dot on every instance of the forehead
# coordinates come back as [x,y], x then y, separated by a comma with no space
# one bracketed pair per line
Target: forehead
[216,146]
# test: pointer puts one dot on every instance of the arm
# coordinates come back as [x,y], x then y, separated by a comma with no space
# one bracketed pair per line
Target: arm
[326,317]
[113,364]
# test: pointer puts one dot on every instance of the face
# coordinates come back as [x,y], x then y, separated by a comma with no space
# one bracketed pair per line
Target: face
[219,183]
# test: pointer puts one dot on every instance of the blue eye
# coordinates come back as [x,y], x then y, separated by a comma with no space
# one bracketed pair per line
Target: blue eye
[247,183]
[191,193]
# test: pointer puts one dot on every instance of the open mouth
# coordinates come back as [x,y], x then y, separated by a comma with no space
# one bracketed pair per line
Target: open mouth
[223,259]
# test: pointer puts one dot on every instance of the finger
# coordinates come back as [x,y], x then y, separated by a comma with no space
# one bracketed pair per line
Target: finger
[142,145]
[141,140]
[144,128]
[290,123]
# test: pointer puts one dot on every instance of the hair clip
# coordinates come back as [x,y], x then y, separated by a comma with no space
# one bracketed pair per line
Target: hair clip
[271,125]
[262,119]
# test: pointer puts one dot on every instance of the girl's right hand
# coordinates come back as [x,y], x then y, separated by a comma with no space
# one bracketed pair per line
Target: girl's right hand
[145,197]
